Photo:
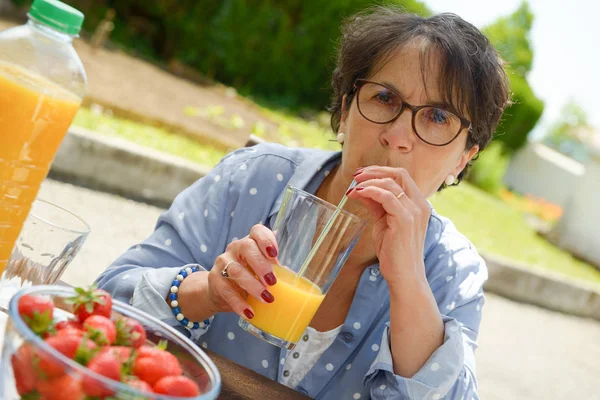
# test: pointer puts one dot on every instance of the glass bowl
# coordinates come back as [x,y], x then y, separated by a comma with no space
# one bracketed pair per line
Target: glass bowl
[195,364]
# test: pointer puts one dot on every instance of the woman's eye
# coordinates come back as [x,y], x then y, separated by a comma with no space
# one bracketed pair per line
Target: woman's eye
[437,116]
[384,97]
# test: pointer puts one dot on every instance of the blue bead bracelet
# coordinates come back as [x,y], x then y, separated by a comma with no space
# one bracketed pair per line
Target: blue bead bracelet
[184,273]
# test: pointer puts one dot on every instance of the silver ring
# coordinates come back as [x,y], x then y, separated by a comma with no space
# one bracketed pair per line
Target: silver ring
[224,273]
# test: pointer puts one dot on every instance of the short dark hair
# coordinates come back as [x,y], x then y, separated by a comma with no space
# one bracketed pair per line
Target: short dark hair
[472,77]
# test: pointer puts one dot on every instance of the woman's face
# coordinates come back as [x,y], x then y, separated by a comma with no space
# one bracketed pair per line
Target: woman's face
[395,144]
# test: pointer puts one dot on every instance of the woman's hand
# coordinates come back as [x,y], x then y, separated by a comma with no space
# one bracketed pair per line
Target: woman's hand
[401,215]
[249,263]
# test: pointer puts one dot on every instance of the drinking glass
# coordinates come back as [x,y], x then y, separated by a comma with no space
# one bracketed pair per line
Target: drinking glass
[302,280]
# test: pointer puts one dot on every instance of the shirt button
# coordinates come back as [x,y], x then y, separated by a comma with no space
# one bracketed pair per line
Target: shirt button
[305,338]
[286,373]
[296,355]
[347,337]
[375,271]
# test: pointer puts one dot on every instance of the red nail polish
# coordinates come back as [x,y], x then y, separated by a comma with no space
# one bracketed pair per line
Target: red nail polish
[357,173]
[249,314]
[267,296]
[270,279]
[358,189]
[349,191]
[272,251]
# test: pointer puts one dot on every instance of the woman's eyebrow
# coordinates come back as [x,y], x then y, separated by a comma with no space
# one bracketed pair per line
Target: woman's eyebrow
[429,102]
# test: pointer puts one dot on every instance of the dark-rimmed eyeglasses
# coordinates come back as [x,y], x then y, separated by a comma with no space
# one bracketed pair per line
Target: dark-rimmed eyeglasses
[434,125]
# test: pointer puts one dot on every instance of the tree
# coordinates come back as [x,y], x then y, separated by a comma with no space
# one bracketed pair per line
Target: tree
[571,133]
[510,36]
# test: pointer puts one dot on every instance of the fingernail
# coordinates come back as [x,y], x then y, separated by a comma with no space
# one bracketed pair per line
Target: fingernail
[349,191]
[357,173]
[267,296]
[270,279]
[272,251]
[249,314]
[358,189]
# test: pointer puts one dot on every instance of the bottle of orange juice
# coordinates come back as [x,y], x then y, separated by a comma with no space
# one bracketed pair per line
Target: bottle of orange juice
[42,83]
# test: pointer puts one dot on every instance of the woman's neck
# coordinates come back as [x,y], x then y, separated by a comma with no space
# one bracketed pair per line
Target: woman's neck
[332,190]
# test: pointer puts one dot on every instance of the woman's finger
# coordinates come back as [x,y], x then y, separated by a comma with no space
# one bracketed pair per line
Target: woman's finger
[249,253]
[242,276]
[399,175]
[233,296]
[267,243]
[385,198]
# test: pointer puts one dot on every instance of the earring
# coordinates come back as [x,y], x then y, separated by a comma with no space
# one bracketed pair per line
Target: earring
[450,180]
[341,137]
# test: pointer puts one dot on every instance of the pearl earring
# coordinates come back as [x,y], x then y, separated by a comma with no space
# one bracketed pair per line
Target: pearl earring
[341,137]
[449,180]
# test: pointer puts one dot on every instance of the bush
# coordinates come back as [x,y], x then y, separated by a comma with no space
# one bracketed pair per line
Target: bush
[488,171]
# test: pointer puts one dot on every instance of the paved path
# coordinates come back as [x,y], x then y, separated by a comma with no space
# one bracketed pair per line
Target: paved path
[525,352]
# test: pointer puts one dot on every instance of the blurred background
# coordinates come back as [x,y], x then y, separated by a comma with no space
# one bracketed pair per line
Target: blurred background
[196,79]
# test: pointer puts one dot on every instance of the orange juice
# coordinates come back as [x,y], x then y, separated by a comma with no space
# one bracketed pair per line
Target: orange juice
[35,114]
[296,302]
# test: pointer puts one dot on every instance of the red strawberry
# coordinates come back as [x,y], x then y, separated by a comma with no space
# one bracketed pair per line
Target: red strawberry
[180,386]
[64,387]
[72,346]
[68,325]
[152,364]
[37,312]
[22,364]
[138,385]
[91,302]
[102,330]
[70,331]
[130,333]
[105,364]
[122,353]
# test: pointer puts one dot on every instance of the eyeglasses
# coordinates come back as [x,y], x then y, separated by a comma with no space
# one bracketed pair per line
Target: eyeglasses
[433,125]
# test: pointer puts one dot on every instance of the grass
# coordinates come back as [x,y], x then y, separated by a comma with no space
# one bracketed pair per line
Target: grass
[497,228]
[490,223]
[149,136]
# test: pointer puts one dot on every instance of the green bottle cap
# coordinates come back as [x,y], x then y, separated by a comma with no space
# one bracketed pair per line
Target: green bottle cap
[57,15]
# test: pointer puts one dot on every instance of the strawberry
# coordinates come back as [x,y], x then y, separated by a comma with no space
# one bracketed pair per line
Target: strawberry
[72,346]
[152,364]
[180,386]
[105,364]
[22,364]
[64,387]
[70,331]
[130,333]
[122,353]
[102,330]
[68,325]
[138,385]
[37,312]
[91,302]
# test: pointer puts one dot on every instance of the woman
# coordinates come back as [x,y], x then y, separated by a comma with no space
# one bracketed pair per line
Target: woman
[415,99]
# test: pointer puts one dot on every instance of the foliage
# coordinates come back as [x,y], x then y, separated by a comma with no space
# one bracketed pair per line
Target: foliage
[488,171]
[568,134]
[276,50]
[510,36]
[529,204]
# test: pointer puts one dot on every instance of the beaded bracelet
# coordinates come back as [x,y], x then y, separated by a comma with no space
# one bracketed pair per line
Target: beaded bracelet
[175,304]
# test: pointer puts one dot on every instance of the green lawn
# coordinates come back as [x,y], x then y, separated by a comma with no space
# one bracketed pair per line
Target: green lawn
[491,224]
[149,136]
[497,228]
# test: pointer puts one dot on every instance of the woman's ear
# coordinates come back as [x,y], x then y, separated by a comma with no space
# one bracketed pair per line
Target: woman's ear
[343,114]
[465,158]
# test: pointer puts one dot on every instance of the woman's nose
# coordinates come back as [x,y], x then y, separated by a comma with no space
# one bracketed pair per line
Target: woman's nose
[399,134]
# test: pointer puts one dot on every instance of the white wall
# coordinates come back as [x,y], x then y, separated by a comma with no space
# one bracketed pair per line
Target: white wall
[578,230]
[542,172]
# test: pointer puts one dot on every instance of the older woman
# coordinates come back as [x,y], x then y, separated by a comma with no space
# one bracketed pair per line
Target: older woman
[415,99]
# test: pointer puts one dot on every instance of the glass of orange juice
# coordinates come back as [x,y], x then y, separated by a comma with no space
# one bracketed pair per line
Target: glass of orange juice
[302,281]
